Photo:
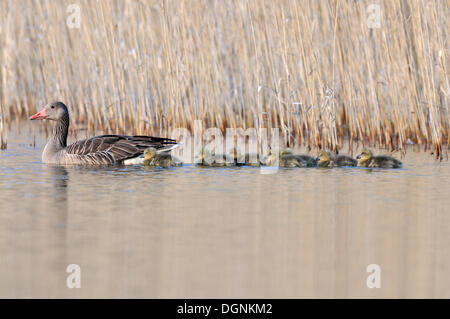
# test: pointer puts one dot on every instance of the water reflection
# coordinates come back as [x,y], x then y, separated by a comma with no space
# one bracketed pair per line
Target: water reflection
[60,174]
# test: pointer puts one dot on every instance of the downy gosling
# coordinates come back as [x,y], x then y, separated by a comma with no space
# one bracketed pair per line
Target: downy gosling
[366,159]
[207,157]
[288,159]
[326,159]
[249,159]
[152,158]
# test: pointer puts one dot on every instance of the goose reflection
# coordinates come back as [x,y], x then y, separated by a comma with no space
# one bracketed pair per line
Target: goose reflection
[59,180]
[60,176]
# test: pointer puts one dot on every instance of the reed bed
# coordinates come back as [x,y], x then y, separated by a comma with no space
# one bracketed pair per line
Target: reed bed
[314,69]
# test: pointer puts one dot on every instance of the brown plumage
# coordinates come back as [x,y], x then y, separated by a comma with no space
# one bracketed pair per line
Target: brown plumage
[103,149]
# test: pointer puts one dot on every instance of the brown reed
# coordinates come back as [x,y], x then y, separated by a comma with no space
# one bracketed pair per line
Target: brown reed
[312,68]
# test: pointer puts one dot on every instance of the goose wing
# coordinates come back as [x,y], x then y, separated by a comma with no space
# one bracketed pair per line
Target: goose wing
[110,149]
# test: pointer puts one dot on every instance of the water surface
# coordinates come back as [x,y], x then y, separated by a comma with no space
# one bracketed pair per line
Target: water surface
[194,232]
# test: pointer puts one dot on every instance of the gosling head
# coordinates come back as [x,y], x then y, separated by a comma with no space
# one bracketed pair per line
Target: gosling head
[149,153]
[324,157]
[286,151]
[271,158]
[365,155]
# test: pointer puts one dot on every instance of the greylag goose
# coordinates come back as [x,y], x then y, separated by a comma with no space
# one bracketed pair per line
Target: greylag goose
[288,159]
[366,159]
[98,150]
[325,159]
[153,158]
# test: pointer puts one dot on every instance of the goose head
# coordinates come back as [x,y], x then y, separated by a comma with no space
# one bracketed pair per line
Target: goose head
[55,111]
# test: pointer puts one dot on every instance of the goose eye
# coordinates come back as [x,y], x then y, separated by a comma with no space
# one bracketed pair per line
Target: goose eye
[52,106]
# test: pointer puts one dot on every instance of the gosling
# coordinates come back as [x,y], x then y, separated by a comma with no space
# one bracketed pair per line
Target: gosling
[289,159]
[366,159]
[250,159]
[207,157]
[326,159]
[152,158]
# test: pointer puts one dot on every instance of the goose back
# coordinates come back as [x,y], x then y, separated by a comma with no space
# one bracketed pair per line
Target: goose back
[112,149]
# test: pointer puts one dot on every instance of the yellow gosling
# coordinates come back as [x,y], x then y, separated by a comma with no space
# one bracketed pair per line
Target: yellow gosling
[366,159]
[152,158]
[207,157]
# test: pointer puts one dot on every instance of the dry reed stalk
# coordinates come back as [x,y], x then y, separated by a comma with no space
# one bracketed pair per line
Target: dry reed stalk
[3,131]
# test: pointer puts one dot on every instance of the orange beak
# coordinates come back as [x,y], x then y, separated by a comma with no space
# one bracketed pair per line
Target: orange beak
[40,115]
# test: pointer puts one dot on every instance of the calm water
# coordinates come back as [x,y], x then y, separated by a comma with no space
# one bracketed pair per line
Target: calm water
[192,232]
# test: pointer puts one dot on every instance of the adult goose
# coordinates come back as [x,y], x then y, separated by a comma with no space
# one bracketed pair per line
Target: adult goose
[98,150]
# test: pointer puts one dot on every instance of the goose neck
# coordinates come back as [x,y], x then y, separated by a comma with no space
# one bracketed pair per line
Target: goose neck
[60,131]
